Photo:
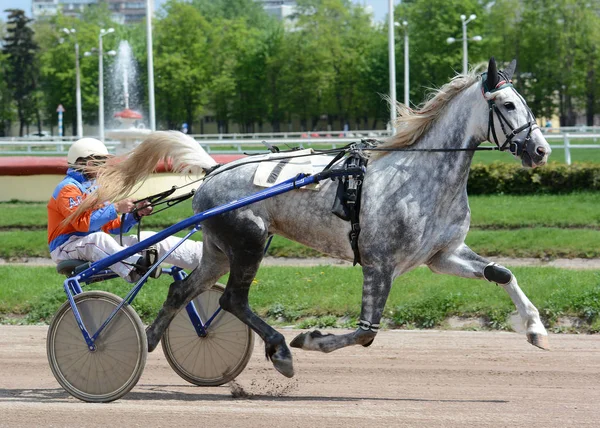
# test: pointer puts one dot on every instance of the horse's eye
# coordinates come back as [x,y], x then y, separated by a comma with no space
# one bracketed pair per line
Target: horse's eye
[509,106]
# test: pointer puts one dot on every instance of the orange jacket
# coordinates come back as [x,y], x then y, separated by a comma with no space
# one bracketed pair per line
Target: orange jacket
[66,198]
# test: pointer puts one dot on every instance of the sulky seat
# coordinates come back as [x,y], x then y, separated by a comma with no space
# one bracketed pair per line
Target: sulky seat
[72,267]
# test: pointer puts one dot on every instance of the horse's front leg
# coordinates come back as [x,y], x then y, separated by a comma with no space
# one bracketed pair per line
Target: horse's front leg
[376,288]
[214,264]
[465,263]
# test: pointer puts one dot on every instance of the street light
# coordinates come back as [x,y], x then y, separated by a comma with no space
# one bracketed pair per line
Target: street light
[151,64]
[404,26]
[464,39]
[71,33]
[392,63]
[94,51]
[103,33]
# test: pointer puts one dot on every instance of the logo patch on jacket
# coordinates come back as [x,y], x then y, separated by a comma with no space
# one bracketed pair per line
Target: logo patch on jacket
[74,202]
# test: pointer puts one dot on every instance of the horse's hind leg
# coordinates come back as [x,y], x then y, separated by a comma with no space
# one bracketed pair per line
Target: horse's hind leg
[376,287]
[214,265]
[244,265]
[465,263]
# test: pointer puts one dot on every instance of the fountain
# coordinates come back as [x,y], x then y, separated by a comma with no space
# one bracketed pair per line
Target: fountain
[123,93]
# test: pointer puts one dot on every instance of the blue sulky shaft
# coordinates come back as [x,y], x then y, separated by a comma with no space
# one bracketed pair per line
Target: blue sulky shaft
[73,283]
[294,183]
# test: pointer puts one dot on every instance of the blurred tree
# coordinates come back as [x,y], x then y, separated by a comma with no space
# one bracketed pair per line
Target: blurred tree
[6,100]
[433,62]
[57,59]
[181,64]
[558,57]
[22,71]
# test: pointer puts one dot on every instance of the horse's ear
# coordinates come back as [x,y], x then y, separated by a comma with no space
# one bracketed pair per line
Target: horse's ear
[492,74]
[510,70]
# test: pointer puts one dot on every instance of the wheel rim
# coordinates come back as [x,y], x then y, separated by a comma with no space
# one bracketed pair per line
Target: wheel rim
[216,358]
[114,367]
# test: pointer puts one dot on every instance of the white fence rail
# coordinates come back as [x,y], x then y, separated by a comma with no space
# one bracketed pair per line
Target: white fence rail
[252,143]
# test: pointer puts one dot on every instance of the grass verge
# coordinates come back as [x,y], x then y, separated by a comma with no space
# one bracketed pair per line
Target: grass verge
[487,211]
[527,242]
[330,296]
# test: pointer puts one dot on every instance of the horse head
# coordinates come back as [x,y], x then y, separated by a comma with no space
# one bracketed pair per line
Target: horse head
[511,124]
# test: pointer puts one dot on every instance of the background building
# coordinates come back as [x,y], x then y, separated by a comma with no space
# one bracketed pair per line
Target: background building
[281,9]
[123,11]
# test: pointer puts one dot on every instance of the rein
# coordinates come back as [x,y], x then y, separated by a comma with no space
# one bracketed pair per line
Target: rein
[369,144]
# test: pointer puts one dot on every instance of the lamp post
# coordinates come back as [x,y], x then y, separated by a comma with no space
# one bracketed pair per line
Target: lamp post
[392,63]
[151,64]
[406,64]
[70,33]
[103,33]
[451,40]
[100,85]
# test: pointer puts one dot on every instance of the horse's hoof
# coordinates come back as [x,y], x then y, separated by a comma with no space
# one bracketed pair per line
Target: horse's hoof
[284,366]
[541,341]
[298,341]
[152,343]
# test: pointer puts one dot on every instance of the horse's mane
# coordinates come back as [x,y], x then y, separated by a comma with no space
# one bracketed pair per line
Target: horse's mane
[411,124]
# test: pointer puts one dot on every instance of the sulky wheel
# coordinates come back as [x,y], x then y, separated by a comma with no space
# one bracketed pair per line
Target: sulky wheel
[116,365]
[215,359]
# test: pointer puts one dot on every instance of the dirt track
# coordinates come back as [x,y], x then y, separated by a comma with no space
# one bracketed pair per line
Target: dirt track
[406,378]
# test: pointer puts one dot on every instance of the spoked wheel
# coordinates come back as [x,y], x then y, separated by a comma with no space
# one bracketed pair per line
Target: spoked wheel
[218,357]
[116,365]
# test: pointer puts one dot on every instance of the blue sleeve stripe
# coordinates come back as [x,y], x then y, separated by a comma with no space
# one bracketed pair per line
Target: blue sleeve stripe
[102,216]
[64,183]
[127,224]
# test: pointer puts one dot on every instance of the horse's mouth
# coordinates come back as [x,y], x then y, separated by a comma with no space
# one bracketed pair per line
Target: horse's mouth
[526,160]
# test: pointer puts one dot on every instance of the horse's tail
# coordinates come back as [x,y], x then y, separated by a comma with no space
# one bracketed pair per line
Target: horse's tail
[117,177]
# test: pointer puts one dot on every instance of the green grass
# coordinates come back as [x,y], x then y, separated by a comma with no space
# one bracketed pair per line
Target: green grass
[507,225]
[532,242]
[323,294]
[537,242]
[487,211]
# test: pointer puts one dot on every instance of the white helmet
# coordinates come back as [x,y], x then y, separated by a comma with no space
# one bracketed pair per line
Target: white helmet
[86,147]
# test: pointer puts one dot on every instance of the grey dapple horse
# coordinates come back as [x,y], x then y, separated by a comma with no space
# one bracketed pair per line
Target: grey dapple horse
[414,211]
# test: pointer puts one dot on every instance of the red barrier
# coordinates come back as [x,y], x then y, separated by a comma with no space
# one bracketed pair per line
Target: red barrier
[34,165]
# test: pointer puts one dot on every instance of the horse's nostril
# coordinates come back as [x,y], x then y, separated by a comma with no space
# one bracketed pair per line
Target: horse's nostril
[540,151]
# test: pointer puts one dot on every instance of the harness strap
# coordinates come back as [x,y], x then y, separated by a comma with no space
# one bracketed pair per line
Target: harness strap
[348,198]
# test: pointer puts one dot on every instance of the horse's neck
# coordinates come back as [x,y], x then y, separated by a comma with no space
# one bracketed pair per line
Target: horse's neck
[461,125]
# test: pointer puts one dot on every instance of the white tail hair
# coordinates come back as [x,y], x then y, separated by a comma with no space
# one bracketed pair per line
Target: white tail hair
[117,178]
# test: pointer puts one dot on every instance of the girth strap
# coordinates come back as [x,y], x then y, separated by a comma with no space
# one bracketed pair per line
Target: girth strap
[348,198]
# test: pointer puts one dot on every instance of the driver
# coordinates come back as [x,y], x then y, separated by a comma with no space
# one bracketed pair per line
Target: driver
[87,237]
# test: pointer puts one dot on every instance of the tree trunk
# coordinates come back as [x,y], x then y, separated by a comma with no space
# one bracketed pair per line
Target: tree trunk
[276,125]
[314,123]
[571,115]
[591,95]
[190,119]
[39,120]
[21,118]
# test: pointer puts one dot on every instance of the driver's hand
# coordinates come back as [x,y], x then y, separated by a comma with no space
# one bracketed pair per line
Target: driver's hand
[124,206]
[144,208]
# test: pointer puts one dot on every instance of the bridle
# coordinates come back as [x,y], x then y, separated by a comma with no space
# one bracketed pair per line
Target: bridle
[515,147]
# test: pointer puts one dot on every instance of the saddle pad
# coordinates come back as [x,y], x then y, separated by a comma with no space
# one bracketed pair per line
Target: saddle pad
[278,167]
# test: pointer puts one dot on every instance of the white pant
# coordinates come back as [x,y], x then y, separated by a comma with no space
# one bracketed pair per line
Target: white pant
[99,245]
